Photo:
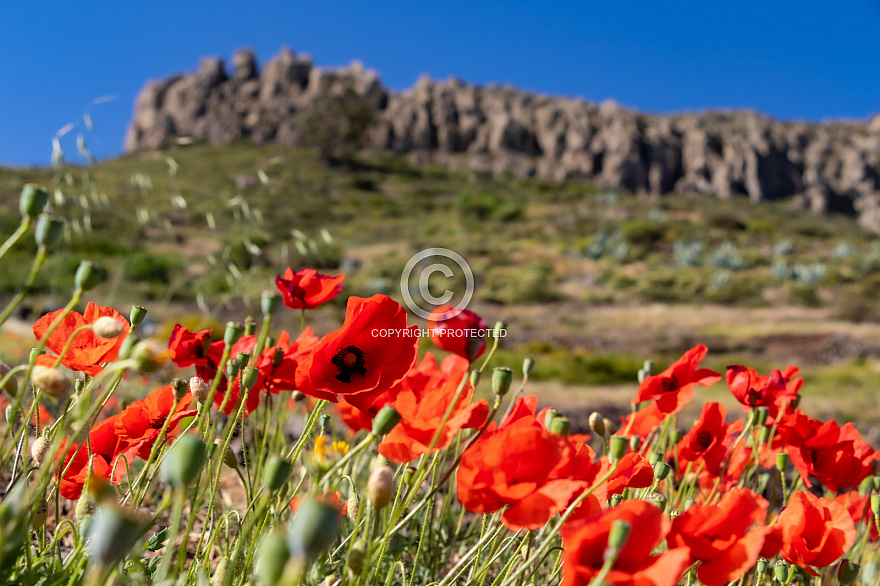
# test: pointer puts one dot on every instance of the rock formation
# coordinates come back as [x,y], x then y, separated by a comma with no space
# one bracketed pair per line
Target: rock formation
[833,166]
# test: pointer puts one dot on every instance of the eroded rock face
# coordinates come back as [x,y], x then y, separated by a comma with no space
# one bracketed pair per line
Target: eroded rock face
[829,167]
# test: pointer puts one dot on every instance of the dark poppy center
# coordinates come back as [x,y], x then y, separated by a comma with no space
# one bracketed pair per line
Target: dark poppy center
[349,361]
[157,422]
[753,397]
[704,440]
[669,384]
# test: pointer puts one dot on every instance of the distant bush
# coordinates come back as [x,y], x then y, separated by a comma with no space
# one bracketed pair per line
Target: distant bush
[488,206]
[641,232]
[529,283]
[145,267]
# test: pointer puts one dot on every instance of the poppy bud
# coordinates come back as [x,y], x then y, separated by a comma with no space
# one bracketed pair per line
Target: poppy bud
[675,436]
[232,333]
[753,418]
[313,528]
[48,230]
[220,571]
[610,426]
[51,381]
[499,330]
[273,558]
[528,366]
[550,416]
[618,535]
[847,572]
[233,366]
[380,487]
[352,506]
[661,471]
[89,275]
[250,326]
[656,498]
[145,356]
[654,457]
[107,327]
[85,506]
[136,315]
[113,532]
[32,201]
[325,421]
[39,449]
[782,462]
[276,473]
[357,556]
[501,379]
[228,455]
[249,378]
[180,388]
[875,504]
[270,302]
[199,389]
[780,571]
[277,357]
[385,420]
[270,341]
[635,442]
[617,448]
[41,513]
[243,358]
[476,375]
[648,367]
[560,426]
[298,396]
[763,413]
[408,475]
[616,499]
[184,461]
[596,423]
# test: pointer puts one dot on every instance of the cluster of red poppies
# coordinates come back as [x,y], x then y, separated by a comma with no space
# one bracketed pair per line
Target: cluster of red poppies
[526,466]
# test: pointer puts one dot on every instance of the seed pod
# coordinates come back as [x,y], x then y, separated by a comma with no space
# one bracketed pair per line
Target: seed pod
[137,315]
[39,449]
[233,333]
[654,457]
[617,447]
[782,462]
[273,558]
[249,377]
[500,330]
[89,275]
[550,416]
[560,426]
[107,327]
[385,420]
[32,200]
[656,498]
[233,366]
[380,487]
[313,528]
[619,534]
[635,442]
[661,471]
[780,571]
[250,326]
[596,423]
[184,461]
[113,533]
[276,473]
[199,389]
[51,381]
[48,230]
[528,366]
[675,436]
[270,302]
[501,379]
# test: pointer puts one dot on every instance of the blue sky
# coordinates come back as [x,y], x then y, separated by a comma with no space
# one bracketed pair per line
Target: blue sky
[796,60]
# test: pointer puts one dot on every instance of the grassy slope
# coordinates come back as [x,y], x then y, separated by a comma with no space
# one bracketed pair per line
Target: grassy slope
[590,281]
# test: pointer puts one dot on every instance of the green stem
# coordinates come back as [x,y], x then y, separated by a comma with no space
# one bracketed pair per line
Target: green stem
[40,259]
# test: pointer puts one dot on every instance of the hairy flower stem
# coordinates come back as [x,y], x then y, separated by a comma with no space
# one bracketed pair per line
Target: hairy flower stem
[39,260]
[22,229]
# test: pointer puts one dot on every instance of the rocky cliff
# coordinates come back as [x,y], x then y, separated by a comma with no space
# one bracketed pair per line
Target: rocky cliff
[832,166]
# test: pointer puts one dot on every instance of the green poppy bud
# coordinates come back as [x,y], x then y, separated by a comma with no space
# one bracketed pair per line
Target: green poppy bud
[89,275]
[270,302]
[675,437]
[180,387]
[112,533]
[847,572]
[32,201]
[550,416]
[276,473]
[136,315]
[780,571]
[761,567]
[499,331]
[272,559]
[528,366]
[313,528]
[476,375]
[408,475]
[501,379]
[635,442]
[183,464]
[617,447]
[233,332]
[48,230]
[782,461]
[654,457]
[661,471]
[618,535]
[249,378]
[233,366]
[250,326]
[243,358]
[561,426]
[385,420]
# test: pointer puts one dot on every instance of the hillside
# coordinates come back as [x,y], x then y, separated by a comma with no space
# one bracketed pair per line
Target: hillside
[590,280]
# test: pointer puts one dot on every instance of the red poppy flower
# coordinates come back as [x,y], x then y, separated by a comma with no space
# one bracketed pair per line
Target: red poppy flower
[754,390]
[278,364]
[186,347]
[422,411]
[707,441]
[526,468]
[836,456]
[88,351]
[674,387]
[633,471]
[718,535]
[107,447]
[859,508]
[332,498]
[373,349]
[307,289]
[139,424]
[584,549]
[458,331]
[815,531]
